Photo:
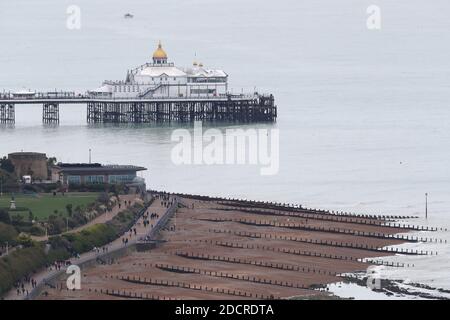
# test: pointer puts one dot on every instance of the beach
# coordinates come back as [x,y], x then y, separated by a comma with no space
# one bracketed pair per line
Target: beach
[231,249]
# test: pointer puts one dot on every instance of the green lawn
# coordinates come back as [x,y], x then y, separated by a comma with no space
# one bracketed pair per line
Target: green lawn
[43,205]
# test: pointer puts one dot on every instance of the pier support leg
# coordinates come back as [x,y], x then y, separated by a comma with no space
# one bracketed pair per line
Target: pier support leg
[50,113]
[95,112]
[7,113]
[259,109]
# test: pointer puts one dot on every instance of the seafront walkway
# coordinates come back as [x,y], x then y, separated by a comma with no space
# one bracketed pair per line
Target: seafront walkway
[142,231]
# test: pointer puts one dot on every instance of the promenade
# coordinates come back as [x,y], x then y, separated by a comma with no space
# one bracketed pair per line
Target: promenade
[142,231]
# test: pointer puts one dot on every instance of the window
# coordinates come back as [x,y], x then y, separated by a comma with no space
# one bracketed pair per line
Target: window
[73,180]
[93,179]
[203,91]
[121,178]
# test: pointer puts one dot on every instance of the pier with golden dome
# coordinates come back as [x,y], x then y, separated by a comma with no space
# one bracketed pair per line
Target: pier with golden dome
[156,91]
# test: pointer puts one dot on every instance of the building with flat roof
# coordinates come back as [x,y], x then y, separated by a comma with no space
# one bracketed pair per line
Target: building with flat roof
[94,173]
[31,164]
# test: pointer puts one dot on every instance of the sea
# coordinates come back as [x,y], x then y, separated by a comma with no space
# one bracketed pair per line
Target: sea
[363,114]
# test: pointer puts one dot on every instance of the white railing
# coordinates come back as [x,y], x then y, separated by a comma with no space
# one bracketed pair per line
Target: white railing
[87,98]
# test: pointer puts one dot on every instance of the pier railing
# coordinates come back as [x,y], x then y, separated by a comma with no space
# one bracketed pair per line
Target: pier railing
[70,95]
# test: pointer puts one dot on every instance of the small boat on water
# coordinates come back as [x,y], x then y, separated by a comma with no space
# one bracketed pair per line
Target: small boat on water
[128,16]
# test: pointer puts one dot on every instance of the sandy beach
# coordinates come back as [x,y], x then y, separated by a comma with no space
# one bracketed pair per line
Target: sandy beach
[226,249]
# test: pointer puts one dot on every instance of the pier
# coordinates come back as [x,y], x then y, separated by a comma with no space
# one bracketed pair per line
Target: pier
[235,108]
[156,91]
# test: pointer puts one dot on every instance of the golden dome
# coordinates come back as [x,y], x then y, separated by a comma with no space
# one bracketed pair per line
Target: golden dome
[159,53]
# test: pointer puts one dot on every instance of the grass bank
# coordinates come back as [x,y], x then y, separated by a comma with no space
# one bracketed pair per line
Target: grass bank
[42,205]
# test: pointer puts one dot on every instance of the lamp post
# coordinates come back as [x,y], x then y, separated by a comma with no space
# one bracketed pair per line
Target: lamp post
[426,205]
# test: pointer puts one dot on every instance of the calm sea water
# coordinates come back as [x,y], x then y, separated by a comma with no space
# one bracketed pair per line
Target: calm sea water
[364,115]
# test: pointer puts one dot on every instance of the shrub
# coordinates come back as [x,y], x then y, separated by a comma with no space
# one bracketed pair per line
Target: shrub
[4,216]
[20,263]
[56,223]
[7,165]
[100,234]
[36,230]
[25,240]
[59,254]
[7,233]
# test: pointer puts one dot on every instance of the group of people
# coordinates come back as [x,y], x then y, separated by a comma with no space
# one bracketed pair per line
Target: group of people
[126,238]
[166,204]
[166,200]
[146,220]
[20,286]
[126,203]
[102,249]
[23,286]
[57,265]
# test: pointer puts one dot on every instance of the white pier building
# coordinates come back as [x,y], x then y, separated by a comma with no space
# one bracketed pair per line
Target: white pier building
[162,79]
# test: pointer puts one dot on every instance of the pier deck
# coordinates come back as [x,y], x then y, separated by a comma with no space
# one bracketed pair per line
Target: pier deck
[237,108]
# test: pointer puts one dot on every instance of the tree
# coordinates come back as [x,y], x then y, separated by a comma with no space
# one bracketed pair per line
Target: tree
[5,217]
[51,161]
[6,165]
[16,219]
[69,208]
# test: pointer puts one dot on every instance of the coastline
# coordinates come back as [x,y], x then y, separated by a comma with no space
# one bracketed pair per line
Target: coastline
[218,245]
